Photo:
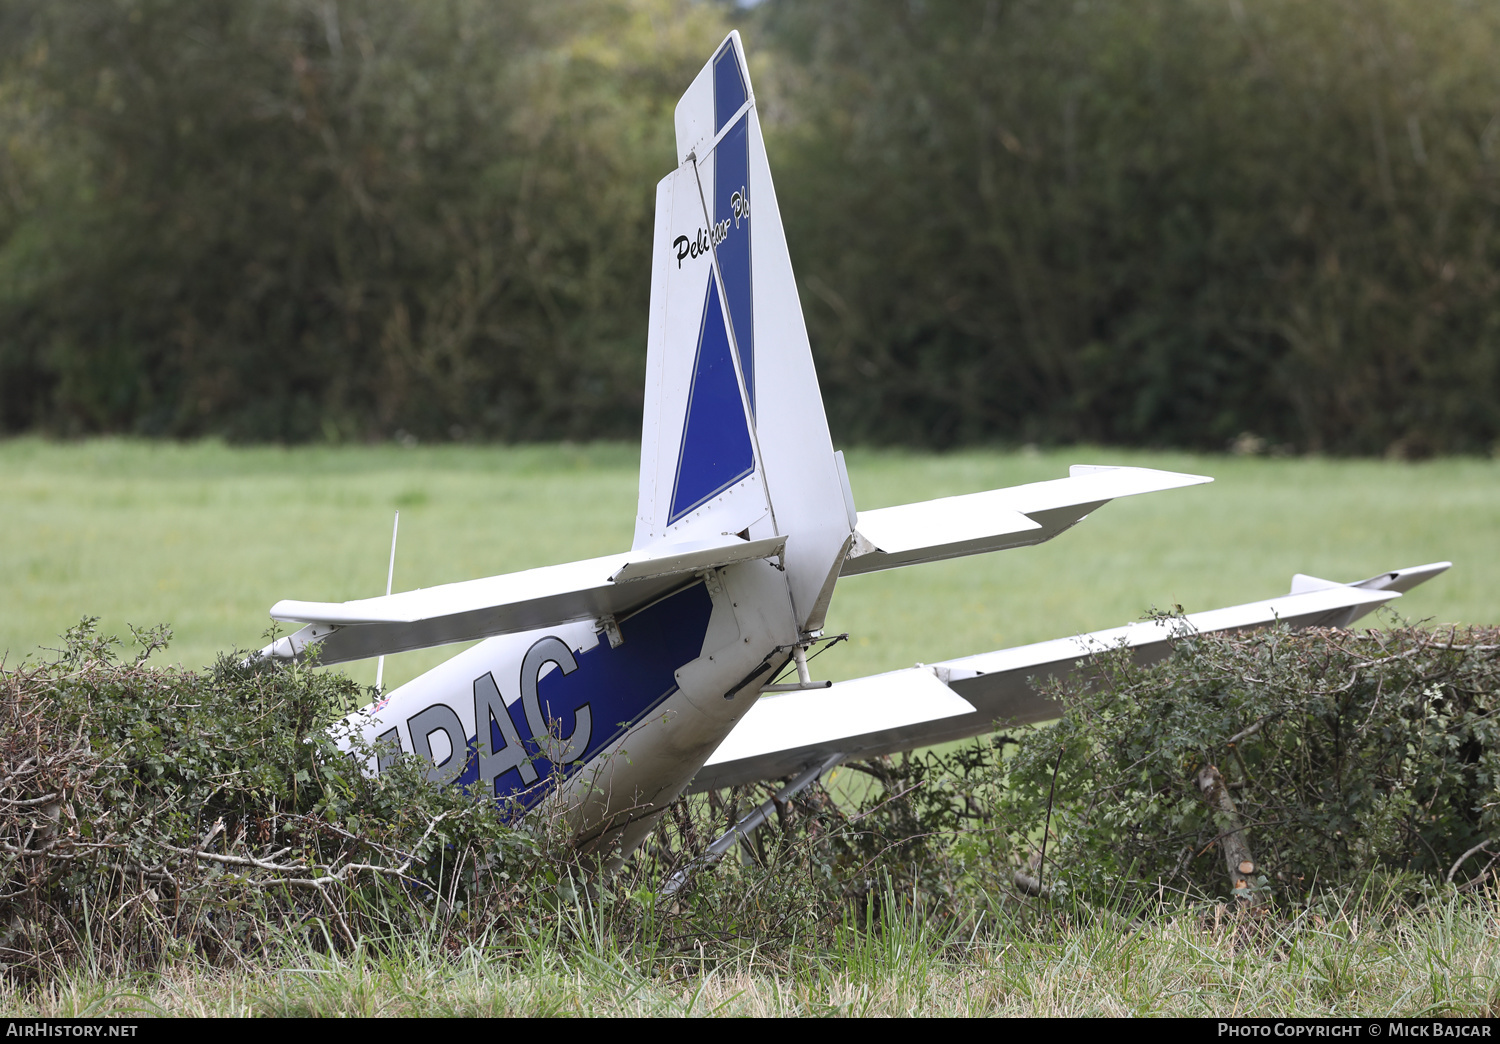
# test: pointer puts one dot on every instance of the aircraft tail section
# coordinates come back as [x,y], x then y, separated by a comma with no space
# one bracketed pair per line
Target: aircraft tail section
[734,437]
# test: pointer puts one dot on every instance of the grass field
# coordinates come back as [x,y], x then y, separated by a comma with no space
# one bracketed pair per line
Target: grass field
[205,537]
[1442,959]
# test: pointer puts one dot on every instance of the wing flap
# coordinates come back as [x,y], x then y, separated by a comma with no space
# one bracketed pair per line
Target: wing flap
[999,683]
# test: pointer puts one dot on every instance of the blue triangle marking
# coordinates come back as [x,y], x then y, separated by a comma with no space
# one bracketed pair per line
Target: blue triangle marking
[715,451]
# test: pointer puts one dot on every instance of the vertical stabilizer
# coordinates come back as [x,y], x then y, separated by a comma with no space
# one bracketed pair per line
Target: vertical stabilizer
[734,438]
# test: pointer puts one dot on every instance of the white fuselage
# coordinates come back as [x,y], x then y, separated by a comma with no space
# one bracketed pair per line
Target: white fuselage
[612,732]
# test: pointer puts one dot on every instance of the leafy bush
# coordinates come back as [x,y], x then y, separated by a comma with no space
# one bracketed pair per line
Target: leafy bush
[1343,754]
[148,815]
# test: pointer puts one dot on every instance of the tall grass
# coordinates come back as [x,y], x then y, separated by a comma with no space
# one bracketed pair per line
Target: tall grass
[1362,957]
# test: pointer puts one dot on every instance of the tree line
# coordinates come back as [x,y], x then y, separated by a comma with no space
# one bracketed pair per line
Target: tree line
[1153,222]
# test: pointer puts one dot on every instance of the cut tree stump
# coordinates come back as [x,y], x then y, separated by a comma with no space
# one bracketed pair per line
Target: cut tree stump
[1238,859]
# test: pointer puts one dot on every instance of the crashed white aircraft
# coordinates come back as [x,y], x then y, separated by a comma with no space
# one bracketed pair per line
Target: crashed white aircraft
[618,683]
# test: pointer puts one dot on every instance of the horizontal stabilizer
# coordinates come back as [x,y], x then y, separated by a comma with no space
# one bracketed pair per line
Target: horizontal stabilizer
[998,519]
[611,586]
[1001,686]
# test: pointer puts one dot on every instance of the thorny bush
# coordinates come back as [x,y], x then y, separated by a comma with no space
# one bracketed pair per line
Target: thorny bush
[149,813]
[1343,754]
[152,814]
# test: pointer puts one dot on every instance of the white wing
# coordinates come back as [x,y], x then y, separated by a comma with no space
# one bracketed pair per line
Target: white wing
[956,699]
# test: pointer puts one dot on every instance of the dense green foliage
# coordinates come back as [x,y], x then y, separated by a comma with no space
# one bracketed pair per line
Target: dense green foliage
[298,221]
[147,814]
[1344,755]
[1154,222]
[1163,221]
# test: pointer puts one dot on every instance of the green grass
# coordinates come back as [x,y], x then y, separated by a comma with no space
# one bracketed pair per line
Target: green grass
[205,537]
[1439,959]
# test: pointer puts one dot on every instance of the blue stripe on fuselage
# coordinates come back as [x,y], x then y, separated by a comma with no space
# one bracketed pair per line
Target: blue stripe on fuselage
[620,686]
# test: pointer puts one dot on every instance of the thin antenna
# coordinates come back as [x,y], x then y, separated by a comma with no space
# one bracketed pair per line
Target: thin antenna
[389,576]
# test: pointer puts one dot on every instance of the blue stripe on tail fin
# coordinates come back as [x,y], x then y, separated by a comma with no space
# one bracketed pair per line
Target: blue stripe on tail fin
[732,211]
[715,449]
[729,86]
